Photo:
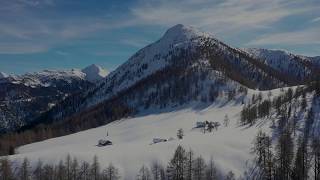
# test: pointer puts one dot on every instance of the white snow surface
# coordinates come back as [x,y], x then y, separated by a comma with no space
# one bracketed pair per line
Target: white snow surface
[282,60]
[92,73]
[46,77]
[132,139]
[3,75]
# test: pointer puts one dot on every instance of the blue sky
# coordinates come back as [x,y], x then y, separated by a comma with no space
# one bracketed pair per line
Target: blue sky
[64,34]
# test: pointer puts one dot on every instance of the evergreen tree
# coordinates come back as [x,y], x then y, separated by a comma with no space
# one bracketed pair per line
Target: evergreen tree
[199,168]
[95,169]
[5,170]
[144,173]
[68,167]
[176,167]
[111,173]
[295,124]
[24,170]
[74,169]
[211,171]
[156,169]
[284,155]
[230,176]
[264,156]
[304,102]
[226,121]
[189,165]
[38,171]
[84,171]
[316,157]
[48,172]
[61,171]
[180,133]
[302,163]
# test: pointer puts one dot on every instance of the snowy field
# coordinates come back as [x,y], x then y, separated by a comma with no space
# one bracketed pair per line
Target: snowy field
[132,140]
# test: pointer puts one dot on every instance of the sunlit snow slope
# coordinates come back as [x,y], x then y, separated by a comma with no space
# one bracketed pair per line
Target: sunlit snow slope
[132,138]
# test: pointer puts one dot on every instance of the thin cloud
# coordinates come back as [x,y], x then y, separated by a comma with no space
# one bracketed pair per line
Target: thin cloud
[308,36]
[228,17]
[36,2]
[35,29]
[217,15]
[315,20]
[21,48]
[51,33]
[62,53]
[108,53]
[138,43]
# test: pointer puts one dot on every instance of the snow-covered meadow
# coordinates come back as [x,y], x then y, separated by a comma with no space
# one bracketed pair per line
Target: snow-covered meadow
[132,138]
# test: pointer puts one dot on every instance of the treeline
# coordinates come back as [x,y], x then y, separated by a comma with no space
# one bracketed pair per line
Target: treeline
[289,159]
[69,169]
[175,85]
[249,71]
[296,153]
[184,165]
[285,105]
[187,78]
[108,112]
[282,105]
[20,104]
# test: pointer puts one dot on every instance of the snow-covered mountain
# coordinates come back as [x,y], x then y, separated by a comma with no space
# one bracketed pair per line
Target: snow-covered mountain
[180,42]
[45,78]
[24,97]
[316,60]
[94,73]
[184,65]
[181,58]
[184,77]
[3,75]
[298,66]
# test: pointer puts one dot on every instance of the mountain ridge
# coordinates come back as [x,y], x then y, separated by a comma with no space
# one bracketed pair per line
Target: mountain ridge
[185,60]
[183,66]
[24,97]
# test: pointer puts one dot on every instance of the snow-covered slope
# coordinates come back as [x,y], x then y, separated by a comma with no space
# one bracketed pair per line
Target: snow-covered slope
[294,65]
[147,61]
[187,47]
[94,73]
[46,78]
[132,139]
[24,97]
[316,60]
[184,65]
[3,75]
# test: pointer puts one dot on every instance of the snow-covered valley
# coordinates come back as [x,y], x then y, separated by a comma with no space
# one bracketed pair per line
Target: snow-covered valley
[132,138]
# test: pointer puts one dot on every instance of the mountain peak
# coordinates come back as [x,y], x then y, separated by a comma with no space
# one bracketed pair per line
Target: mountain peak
[180,33]
[93,66]
[3,75]
[94,73]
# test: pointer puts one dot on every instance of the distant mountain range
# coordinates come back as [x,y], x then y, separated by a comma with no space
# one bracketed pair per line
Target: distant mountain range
[183,66]
[248,99]
[24,97]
